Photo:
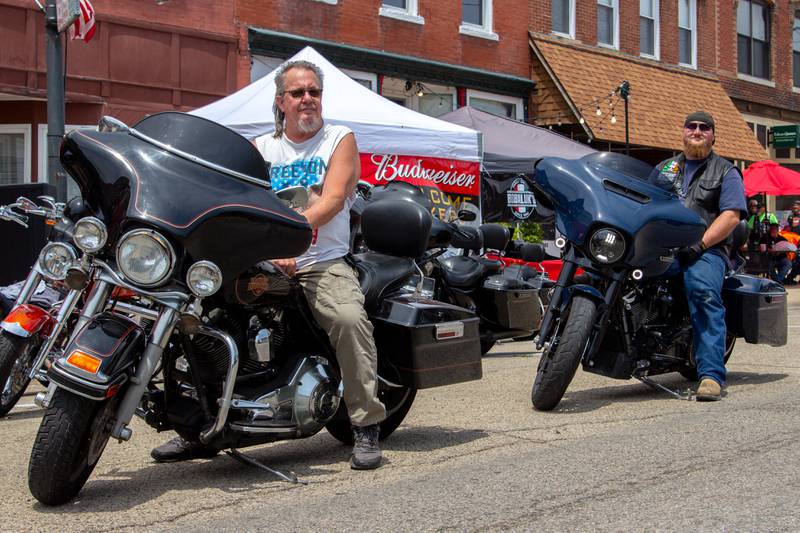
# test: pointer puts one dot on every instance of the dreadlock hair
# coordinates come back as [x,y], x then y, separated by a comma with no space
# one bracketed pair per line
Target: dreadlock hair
[280,87]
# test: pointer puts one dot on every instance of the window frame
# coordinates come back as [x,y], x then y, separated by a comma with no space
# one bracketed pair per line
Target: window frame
[571,34]
[485,30]
[615,24]
[25,130]
[363,76]
[656,31]
[796,52]
[693,29]
[768,29]
[518,101]
[409,14]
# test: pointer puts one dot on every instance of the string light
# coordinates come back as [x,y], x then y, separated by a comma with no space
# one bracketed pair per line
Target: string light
[598,112]
[581,120]
[613,119]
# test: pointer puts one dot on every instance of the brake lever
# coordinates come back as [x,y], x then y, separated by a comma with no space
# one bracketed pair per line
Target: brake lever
[7,213]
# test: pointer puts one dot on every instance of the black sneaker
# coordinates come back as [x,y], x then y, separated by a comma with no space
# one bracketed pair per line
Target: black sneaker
[180,449]
[366,454]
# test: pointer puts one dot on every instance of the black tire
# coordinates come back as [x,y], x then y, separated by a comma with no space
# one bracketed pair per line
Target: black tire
[16,357]
[486,345]
[397,401]
[730,343]
[557,367]
[71,439]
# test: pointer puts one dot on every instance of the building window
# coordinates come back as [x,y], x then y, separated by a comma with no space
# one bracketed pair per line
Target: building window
[687,36]
[15,154]
[752,39]
[497,104]
[406,10]
[562,14]
[796,49]
[476,19]
[434,105]
[648,28]
[608,23]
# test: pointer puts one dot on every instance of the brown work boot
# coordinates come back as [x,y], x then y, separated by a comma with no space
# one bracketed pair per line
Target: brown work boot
[709,391]
[366,453]
[180,449]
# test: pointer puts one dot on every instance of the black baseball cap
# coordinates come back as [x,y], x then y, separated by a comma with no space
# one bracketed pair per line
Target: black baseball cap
[700,116]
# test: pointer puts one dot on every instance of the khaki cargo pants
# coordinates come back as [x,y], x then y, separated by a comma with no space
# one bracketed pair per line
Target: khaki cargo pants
[334,295]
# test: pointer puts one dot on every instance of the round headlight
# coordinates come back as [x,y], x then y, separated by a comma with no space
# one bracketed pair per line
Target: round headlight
[90,235]
[204,278]
[607,245]
[145,257]
[55,259]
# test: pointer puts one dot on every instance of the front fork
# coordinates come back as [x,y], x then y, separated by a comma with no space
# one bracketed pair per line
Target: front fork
[29,287]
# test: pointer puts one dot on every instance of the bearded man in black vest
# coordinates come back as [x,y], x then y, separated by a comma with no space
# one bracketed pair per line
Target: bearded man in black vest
[713,188]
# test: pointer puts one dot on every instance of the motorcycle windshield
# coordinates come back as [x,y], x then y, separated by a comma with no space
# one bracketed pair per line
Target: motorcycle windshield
[199,183]
[588,193]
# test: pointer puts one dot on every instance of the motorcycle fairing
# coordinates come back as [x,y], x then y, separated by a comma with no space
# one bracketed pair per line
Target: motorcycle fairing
[234,223]
[586,195]
[26,320]
[114,339]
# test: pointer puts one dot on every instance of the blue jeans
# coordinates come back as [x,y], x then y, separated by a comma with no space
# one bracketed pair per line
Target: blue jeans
[702,281]
[778,268]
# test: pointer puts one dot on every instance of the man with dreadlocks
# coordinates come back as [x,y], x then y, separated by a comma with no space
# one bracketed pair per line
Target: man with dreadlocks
[305,151]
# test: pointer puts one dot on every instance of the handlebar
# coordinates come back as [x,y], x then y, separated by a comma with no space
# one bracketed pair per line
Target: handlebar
[53,211]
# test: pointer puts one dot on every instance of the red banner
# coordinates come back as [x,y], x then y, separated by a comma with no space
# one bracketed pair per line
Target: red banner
[447,181]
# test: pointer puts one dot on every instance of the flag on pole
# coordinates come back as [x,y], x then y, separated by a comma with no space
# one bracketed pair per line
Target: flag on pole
[84,25]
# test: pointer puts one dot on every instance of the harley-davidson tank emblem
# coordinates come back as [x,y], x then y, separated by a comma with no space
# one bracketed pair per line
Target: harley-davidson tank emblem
[258,284]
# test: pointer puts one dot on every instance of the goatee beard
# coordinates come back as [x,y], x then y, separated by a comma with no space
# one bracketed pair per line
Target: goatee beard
[311,125]
[696,151]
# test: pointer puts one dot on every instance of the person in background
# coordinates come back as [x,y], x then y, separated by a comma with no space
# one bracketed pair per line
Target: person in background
[793,220]
[759,222]
[779,262]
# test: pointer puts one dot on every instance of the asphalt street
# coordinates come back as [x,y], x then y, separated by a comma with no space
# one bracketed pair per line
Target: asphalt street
[616,455]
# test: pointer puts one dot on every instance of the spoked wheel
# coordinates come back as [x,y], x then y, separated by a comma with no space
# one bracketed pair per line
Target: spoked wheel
[557,365]
[397,401]
[730,343]
[71,439]
[16,358]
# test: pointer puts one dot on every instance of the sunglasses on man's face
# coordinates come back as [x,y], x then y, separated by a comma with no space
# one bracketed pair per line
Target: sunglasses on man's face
[298,93]
[702,126]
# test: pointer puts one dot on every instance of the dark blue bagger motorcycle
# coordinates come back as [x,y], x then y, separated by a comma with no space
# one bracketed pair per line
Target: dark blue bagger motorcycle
[622,318]
[215,343]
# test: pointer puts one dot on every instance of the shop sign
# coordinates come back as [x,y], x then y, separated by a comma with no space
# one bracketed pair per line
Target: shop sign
[785,136]
[520,199]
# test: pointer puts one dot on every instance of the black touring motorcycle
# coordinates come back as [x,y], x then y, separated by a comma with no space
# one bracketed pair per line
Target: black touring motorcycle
[215,343]
[621,318]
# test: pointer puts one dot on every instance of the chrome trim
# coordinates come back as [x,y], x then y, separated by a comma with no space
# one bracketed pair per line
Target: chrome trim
[137,310]
[67,307]
[160,239]
[15,329]
[94,303]
[28,288]
[213,267]
[230,382]
[108,275]
[145,369]
[49,246]
[246,404]
[389,383]
[198,160]
[88,384]
[292,430]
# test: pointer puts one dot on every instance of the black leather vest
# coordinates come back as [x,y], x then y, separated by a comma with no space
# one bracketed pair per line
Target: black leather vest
[702,195]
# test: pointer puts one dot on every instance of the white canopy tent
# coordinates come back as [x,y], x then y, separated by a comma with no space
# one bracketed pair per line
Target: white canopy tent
[380,125]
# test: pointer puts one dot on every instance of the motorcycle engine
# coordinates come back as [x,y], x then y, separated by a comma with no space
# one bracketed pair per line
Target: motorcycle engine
[307,402]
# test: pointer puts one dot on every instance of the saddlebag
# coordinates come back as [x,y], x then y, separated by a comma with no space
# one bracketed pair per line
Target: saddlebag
[511,303]
[755,308]
[430,343]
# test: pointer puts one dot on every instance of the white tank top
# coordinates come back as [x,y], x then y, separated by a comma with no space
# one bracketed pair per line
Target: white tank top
[306,164]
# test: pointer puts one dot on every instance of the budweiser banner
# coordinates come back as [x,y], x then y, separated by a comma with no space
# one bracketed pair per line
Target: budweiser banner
[446,181]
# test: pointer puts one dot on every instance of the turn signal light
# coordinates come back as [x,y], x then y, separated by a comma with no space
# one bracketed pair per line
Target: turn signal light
[84,361]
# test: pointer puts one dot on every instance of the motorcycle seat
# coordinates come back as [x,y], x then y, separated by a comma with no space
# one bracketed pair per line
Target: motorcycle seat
[491,266]
[378,272]
[463,272]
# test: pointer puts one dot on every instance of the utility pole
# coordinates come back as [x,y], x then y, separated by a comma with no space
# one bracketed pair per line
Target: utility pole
[624,92]
[55,90]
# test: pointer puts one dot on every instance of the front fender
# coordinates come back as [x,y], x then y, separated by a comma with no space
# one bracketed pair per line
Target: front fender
[586,290]
[26,320]
[99,359]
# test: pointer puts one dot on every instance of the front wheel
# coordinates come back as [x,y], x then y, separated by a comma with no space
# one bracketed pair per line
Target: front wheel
[16,357]
[557,366]
[71,438]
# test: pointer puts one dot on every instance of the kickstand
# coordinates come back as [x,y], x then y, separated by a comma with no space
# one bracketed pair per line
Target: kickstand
[687,395]
[246,459]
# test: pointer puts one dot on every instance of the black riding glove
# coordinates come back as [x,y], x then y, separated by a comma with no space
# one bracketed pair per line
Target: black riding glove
[689,254]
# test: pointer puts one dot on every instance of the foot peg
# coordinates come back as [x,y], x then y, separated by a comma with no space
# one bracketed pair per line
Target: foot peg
[251,461]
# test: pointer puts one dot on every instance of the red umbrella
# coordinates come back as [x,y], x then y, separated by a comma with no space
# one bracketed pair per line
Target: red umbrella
[770,178]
